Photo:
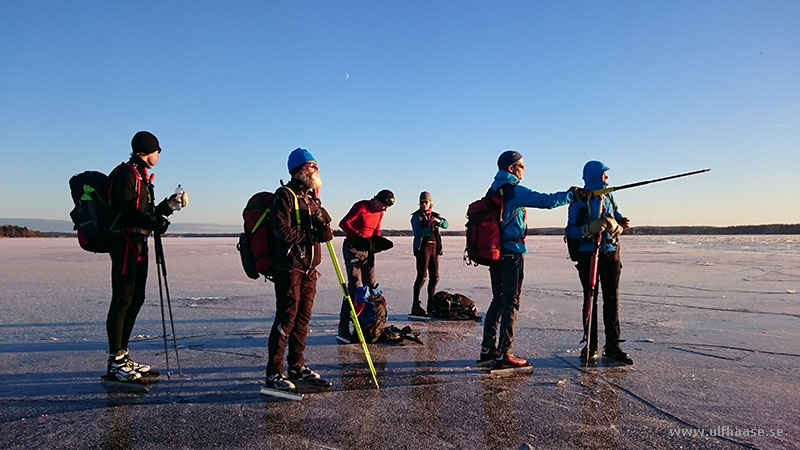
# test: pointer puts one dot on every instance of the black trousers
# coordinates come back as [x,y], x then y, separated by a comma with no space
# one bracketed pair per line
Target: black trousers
[427,264]
[294,298]
[129,262]
[609,268]
[506,280]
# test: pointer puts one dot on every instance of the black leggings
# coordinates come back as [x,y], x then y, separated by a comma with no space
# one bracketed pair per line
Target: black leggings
[427,264]
[128,280]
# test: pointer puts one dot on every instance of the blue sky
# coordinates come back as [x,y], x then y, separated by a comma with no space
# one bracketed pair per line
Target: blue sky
[410,96]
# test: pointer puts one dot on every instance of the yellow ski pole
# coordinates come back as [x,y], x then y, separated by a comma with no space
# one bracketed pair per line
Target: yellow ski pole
[353,315]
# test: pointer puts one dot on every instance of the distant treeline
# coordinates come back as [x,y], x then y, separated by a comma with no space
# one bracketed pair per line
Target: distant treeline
[15,231]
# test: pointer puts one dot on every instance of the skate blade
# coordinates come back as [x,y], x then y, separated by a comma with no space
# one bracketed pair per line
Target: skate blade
[488,364]
[312,387]
[343,340]
[413,317]
[123,386]
[289,395]
[511,371]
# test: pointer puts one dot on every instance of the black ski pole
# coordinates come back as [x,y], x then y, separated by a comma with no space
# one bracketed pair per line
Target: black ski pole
[160,255]
[163,320]
[642,183]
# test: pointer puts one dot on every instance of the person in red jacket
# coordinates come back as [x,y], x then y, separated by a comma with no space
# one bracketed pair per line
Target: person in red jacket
[362,229]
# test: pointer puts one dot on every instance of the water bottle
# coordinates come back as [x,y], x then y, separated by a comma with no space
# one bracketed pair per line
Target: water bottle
[175,202]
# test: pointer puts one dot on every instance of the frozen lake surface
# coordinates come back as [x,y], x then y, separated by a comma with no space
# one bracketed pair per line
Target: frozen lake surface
[711,321]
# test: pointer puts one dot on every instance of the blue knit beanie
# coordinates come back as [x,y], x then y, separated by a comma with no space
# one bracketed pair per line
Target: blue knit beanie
[297,158]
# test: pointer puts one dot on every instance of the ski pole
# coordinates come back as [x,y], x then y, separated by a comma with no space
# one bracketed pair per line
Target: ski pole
[642,183]
[353,315]
[588,301]
[160,256]
[163,321]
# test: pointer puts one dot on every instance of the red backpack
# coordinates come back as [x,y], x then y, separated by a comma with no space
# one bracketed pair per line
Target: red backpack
[484,220]
[257,239]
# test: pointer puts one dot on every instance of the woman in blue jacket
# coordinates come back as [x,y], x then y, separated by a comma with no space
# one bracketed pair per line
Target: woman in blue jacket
[427,247]
[586,219]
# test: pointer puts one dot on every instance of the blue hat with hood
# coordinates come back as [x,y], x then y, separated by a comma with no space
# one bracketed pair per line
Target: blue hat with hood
[297,158]
[593,175]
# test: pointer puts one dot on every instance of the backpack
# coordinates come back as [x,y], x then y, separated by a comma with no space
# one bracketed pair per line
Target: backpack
[447,306]
[92,215]
[574,244]
[370,309]
[257,239]
[484,220]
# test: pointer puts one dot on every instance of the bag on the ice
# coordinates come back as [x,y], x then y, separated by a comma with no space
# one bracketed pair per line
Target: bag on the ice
[257,239]
[447,306]
[484,222]
[92,216]
[370,309]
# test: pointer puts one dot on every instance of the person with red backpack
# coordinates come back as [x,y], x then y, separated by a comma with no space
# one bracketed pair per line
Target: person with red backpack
[131,199]
[507,274]
[299,224]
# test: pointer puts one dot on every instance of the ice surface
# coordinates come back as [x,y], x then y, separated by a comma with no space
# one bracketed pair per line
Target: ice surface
[711,321]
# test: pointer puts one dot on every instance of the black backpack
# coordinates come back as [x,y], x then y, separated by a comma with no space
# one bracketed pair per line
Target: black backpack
[447,306]
[574,244]
[92,215]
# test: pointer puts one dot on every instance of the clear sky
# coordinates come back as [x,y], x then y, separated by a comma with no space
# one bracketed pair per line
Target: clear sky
[410,96]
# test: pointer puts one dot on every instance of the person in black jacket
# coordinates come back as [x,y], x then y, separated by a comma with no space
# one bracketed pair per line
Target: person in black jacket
[299,224]
[131,198]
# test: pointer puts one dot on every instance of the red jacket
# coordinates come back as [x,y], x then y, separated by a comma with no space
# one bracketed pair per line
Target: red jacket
[361,221]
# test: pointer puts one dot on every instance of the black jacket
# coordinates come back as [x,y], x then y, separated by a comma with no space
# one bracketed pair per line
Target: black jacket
[295,249]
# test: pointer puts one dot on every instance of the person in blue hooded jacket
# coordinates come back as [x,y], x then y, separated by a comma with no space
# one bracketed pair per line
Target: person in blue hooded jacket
[507,276]
[591,218]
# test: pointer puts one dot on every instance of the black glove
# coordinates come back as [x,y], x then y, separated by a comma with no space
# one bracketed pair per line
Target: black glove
[163,208]
[322,217]
[160,225]
[323,233]
[380,243]
[581,194]
[363,244]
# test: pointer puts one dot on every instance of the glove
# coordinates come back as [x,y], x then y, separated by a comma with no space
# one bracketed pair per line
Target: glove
[323,233]
[322,217]
[164,208]
[380,243]
[600,225]
[160,225]
[581,194]
[625,222]
[363,244]
[613,228]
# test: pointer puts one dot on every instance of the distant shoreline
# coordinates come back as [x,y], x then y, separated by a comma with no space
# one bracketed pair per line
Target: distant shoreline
[16,231]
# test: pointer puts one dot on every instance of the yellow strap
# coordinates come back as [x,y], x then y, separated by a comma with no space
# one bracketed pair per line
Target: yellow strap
[266,211]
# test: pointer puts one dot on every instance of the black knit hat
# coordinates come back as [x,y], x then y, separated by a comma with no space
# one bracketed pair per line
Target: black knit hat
[508,158]
[144,143]
[386,197]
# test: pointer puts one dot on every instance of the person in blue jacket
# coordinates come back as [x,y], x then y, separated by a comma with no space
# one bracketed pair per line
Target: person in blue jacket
[588,218]
[507,275]
[425,223]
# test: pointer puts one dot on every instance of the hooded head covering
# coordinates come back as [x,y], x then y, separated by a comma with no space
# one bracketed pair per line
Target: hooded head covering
[593,175]
[386,197]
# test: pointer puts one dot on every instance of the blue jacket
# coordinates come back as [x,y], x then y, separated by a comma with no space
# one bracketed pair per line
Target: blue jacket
[421,231]
[515,199]
[598,207]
